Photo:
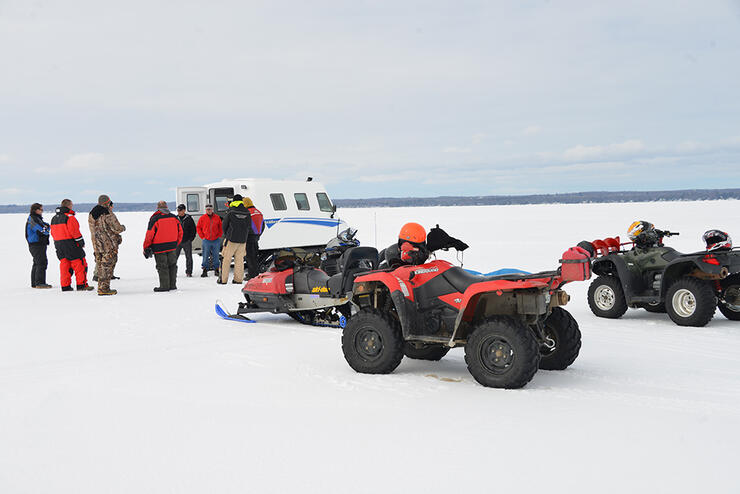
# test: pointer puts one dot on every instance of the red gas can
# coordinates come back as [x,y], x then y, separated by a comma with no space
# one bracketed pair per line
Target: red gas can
[576,265]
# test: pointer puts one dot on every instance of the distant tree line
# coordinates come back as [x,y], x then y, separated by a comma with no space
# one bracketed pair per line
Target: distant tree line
[390,202]
[569,198]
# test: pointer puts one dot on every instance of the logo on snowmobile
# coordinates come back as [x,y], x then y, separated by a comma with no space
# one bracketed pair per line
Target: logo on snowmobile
[427,270]
[319,289]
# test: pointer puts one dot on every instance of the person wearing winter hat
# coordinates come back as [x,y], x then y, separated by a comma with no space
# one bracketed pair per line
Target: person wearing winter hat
[105,231]
[70,247]
[210,229]
[188,234]
[237,224]
[37,236]
[163,235]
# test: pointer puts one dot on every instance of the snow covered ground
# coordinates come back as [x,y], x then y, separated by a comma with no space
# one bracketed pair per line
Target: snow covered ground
[146,392]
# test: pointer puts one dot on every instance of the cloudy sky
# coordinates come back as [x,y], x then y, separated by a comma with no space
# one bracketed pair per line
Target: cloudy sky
[375,98]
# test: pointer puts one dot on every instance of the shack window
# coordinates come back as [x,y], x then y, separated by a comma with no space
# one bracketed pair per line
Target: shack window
[193,203]
[324,202]
[221,198]
[278,202]
[301,200]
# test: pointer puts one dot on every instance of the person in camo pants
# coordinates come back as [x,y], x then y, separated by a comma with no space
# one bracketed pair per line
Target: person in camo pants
[106,237]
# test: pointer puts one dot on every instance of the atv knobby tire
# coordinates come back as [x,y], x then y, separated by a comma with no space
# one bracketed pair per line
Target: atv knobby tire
[426,352]
[501,352]
[606,297]
[730,284]
[561,329]
[690,302]
[372,342]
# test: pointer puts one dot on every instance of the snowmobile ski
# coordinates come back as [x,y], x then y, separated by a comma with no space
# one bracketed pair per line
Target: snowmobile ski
[230,317]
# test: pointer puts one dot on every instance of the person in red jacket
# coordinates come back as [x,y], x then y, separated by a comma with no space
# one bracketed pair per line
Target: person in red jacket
[210,229]
[69,245]
[163,235]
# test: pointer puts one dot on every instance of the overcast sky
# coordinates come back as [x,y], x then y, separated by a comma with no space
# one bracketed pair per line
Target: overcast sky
[397,98]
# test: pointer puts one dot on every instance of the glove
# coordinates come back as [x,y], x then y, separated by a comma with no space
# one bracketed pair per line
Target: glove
[148,253]
[81,243]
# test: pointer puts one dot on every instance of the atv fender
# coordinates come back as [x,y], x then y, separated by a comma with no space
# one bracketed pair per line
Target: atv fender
[614,264]
[401,295]
[690,267]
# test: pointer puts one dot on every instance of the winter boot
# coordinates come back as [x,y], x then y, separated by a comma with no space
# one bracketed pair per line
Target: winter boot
[67,288]
[189,275]
[42,285]
[236,282]
[218,280]
[95,277]
[114,277]
[107,292]
[85,288]
[204,274]
[160,289]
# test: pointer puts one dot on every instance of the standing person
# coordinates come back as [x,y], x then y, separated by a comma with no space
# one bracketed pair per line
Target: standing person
[237,224]
[257,226]
[163,235]
[105,231]
[188,234]
[69,245]
[210,229]
[37,236]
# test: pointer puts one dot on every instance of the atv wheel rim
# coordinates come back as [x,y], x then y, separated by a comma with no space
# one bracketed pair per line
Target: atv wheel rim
[369,344]
[497,355]
[604,297]
[684,303]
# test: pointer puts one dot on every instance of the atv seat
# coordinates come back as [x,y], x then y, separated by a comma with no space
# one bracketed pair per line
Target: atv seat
[352,262]
[461,279]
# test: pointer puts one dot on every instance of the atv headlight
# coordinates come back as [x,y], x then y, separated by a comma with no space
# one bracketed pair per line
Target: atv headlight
[289,287]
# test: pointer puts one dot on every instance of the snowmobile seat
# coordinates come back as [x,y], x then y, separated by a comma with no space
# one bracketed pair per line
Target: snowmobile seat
[462,279]
[354,261]
[312,281]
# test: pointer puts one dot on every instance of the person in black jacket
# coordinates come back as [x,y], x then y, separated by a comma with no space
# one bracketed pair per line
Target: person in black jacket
[37,236]
[188,234]
[237,224]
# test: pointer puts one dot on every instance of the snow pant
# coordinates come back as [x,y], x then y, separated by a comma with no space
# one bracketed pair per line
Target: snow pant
[166,263]
[38,270]
[78,266]
[105,264]
[97,256]
[237,251]
[253,267]
[211,249]
[188,248]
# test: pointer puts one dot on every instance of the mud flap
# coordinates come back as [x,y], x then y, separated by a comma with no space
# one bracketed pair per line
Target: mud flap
[221,312]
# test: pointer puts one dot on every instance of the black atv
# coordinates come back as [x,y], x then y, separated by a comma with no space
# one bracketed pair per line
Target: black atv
[689,287]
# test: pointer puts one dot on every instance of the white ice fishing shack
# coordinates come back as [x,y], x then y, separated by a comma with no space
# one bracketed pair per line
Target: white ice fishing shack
[296,213]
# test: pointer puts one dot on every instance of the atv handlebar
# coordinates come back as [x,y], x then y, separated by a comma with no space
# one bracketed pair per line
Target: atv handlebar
[666,233]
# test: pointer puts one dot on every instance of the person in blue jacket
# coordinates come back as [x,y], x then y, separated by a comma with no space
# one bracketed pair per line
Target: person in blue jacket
[37,236]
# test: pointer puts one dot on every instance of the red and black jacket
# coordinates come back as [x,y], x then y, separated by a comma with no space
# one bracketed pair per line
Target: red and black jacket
[164,233]
[66,233]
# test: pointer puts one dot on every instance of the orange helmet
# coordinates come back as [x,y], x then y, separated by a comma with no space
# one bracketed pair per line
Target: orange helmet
[412,232]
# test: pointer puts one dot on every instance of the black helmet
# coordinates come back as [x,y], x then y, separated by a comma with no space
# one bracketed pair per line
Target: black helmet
[716,240]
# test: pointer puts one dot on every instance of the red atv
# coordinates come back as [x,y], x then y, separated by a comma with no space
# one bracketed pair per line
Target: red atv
[510,324]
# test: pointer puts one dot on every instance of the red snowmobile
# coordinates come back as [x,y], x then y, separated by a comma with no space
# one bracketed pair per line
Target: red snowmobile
[510,325]
[297,284]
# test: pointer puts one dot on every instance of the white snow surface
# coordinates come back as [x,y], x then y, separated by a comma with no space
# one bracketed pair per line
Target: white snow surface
[145,392]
